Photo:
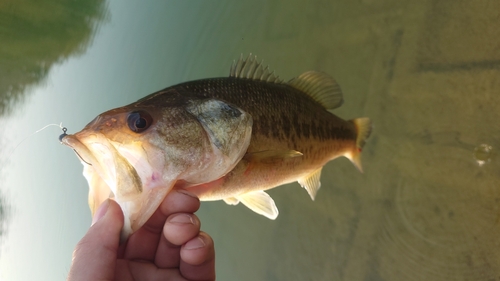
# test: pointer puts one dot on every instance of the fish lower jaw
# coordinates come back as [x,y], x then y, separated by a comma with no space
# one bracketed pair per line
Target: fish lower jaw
[130,214]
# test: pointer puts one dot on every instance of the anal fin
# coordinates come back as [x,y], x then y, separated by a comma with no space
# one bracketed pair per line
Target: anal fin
[311,183]
[260,202]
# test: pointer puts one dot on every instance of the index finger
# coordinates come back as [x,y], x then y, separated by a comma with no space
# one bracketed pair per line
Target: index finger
[143,243]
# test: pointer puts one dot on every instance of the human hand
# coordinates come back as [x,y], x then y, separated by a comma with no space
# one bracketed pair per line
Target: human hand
[169,246]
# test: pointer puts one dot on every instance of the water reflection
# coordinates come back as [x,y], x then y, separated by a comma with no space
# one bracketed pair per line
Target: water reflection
[3,216]
[426,72]
[38,34]
[483,154]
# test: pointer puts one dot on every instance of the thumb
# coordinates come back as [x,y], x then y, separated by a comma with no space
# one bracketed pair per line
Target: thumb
[95,255]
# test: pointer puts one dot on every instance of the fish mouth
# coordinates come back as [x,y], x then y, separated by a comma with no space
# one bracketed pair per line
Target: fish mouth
[80,149]
[98,154]
[110,173]
[99,181]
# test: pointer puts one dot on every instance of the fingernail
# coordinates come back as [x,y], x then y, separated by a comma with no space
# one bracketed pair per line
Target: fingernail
[195,244]
[185,192]
[182,219]
[101,211]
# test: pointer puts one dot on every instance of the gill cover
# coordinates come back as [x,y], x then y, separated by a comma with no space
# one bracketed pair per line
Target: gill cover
[229,130]
[127,158]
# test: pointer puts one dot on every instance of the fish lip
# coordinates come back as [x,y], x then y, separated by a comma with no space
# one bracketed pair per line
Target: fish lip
[80,149]
[103,168]
[81,143]
[96,150]
[91,170]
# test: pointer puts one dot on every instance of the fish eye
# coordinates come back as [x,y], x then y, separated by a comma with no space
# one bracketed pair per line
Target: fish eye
[139,121]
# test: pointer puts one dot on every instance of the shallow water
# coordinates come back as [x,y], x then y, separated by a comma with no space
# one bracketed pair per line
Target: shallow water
[425,72]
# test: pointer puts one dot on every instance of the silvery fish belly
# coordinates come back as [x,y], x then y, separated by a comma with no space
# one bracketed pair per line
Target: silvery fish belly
[220,138]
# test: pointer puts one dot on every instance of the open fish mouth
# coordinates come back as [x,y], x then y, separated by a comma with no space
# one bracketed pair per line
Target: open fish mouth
[120,173]
[98,178]
[96,151]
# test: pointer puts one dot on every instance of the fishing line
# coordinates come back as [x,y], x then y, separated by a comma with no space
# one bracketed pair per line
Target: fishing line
[64,129]
[61,138]
[36,132]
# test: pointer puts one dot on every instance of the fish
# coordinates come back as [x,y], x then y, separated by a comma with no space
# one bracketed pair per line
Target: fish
[228,138]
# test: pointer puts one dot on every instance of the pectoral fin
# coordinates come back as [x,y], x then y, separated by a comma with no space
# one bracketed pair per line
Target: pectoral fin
[231,201]
[311,183]
[271,156]
[260,202]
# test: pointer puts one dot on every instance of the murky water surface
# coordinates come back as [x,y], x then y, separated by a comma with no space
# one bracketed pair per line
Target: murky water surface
[426,73]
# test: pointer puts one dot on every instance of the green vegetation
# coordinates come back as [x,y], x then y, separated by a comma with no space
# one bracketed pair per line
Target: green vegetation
[35,35]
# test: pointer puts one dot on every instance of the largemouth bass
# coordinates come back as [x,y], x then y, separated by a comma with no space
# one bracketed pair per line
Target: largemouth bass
[227,139]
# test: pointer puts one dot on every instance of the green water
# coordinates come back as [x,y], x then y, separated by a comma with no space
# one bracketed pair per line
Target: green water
[426,73]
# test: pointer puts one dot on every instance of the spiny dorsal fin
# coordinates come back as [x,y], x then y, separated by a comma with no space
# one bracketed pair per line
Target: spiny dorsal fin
[260,202]
[321,87]
[250,68]
[311,183]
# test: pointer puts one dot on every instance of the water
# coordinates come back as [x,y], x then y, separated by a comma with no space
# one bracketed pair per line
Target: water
[425,72]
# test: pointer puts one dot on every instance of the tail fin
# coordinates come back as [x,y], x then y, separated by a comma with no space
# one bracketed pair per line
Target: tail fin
[363,130]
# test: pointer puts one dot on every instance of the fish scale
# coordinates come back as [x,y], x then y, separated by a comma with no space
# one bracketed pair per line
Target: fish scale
[229,138]
[275,108]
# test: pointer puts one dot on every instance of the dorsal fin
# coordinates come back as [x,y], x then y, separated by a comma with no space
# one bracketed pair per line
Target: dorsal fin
[250,68]
[321,87]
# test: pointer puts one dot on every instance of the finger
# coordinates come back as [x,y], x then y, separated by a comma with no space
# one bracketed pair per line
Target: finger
[168,255]
[94,257]
[178,229]
[144,242]
[180,201]
[198,258]
[127,270]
